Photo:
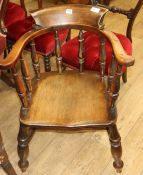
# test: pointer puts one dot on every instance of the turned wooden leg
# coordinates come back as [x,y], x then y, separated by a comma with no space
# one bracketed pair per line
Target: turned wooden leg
[47,63]
[24,137]
[116,148]
[124,76]
[4,162]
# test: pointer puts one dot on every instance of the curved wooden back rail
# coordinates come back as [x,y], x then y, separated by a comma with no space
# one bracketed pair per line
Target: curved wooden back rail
[70,15]
[33,116]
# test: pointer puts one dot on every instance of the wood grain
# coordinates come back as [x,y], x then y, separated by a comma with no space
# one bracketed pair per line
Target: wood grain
[78,99]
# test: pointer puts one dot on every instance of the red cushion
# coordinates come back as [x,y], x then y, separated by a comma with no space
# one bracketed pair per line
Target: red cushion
[18,28]
[14,13]
[91,52]
[44,44]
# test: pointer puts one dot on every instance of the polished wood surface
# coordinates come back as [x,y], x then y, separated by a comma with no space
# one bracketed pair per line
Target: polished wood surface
[121,55]
[73,105]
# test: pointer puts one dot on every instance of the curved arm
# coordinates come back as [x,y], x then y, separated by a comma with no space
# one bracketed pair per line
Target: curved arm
[18,47]
[119,52]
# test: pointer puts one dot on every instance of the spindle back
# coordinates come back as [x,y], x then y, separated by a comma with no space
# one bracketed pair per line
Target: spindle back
[65,16]
[71,16]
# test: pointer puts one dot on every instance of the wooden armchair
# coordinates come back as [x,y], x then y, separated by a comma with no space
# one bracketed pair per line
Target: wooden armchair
[4,162]
[69,99]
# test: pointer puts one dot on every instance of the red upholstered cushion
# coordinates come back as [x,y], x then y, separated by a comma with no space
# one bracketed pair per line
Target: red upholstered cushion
[18,28]
[91,52]
[44,44]
[14,13]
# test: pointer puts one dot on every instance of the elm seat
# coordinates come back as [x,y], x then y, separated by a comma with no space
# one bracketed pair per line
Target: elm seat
[68,92]
[92,51]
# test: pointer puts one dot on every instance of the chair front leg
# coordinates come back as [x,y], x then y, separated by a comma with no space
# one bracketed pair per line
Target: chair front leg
[4,161]
[116,148]
[24,137]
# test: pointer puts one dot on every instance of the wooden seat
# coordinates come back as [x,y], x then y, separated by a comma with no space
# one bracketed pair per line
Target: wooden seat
[68,99]
[75,99]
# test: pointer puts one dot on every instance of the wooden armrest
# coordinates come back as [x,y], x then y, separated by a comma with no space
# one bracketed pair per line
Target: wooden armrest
[18,47]
[121,56]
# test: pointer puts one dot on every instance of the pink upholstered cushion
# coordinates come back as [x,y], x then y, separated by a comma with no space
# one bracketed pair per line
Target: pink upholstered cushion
[14,13]
[91,52]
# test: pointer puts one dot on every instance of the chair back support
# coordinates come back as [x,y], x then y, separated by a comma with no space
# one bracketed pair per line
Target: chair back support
[67,15]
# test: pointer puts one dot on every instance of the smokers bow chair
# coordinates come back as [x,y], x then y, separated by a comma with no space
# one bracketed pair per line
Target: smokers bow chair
[69,99]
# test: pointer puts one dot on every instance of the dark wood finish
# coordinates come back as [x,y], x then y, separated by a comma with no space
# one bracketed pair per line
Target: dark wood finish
[69,100]
[20,88]
[116,148]
[35,60]
[58,53]
[47,63]
[26,76]
[4,161]
[102,57]
[81,51]
[24,137]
